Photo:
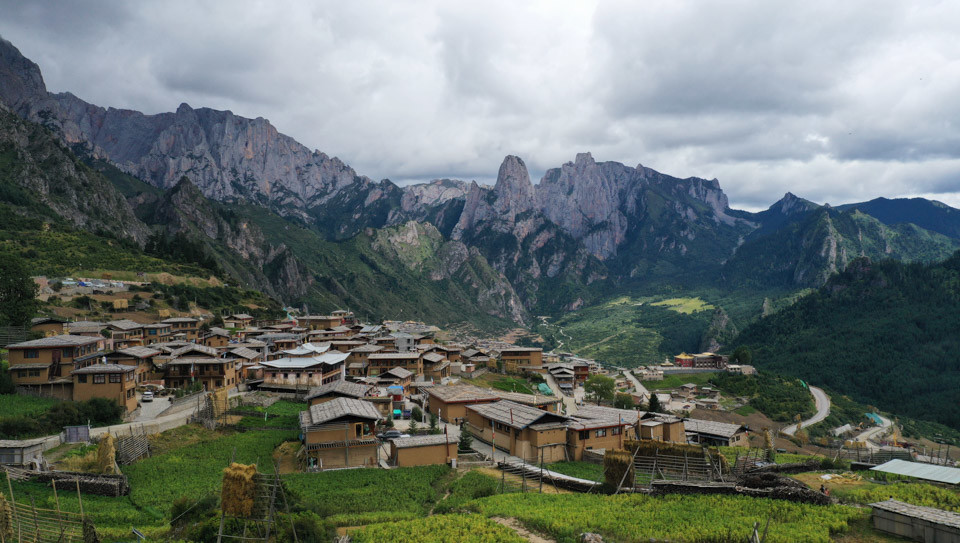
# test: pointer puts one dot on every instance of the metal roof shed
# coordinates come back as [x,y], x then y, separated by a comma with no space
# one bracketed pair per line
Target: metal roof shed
[20,452]
[930,472]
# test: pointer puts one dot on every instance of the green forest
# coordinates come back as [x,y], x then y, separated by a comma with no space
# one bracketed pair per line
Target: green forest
[883,333]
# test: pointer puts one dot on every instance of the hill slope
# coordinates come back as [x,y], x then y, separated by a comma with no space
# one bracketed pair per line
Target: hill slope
[882,333]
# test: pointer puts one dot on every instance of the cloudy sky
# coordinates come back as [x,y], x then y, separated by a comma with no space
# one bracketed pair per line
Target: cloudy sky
[834,101]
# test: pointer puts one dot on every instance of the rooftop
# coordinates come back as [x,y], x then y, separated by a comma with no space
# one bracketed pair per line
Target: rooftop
[139,352]
[394,356]
[104,368]
[179,319]
[194,348]
[722,429]
[341,407]
[929,514]
[65,340]
[462,393]
[339,386]
[245,353]
[930,472]
[368,348]
[399,373]
[329,359]
[422,441]
[125,324]
[515,415]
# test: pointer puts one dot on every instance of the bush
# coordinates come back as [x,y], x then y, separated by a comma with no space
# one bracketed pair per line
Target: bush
[416,414]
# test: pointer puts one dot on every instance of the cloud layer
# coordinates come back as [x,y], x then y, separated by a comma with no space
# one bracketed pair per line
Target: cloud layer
[834,101]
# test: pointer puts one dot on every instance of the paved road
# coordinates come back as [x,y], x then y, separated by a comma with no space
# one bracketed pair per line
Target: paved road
[822,402]
[637,386]
[874,432]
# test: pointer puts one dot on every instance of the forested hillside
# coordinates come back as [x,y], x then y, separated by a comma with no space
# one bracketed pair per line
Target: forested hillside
[884,333]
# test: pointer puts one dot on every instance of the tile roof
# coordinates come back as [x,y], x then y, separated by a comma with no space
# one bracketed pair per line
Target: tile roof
[65,340]
[368,348]
[139,352]
[422,441]
[194,348]
[157,325]
[328,359]
[434,357]
[241,316]
[394,356]
[399,373]
[125,324]
[516,415]
[179,319]
[307,348]
[527,399]
[462,393]
[85,326]
[186,361]
[722,429]
[338,408]
[245,353]
[342,387]
[104,368]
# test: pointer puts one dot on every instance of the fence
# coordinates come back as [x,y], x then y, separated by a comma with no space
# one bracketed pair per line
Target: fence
[132,447]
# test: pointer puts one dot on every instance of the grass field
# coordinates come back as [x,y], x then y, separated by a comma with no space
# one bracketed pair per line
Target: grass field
[582,470]
[686,306]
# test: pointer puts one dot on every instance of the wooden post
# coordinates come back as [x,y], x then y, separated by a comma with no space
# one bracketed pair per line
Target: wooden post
[13,502]
[80,498]
[56,498]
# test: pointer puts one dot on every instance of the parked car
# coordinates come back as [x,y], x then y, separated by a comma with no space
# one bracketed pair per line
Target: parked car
[147,397]
[391,434]
[406,414]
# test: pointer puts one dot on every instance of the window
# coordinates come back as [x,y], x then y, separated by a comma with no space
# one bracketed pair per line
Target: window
[584,435]
[31,353]
[34,373]
[152,332]
[602,432]
[68,353]
[81,378]
[99,379]
[115,377]
[617,431]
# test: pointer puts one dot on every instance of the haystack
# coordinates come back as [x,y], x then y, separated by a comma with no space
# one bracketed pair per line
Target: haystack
[616,463]
[220,402]
[6,519]
[107,455]
[239,490]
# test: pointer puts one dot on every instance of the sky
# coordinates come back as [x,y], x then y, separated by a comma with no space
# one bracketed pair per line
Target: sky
[834,101]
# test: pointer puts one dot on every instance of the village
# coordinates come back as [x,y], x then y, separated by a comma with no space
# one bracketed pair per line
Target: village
[330,394]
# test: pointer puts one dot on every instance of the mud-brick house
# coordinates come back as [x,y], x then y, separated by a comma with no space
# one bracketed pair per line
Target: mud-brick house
[115,382]
[596,427]
[450,402]
[188,326]
[141,358]
[422,450]
[44,365]
[520,430]
[341,433]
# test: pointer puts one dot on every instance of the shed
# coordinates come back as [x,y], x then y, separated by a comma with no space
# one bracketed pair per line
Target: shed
[21,452]
[422,450]
[916,522]
[940,474]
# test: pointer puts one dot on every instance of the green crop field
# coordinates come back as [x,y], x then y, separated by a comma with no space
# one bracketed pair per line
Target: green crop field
[196,470]
[680,518]
[13,405]
[471,486]
[915,493]
[583,470]
[459,528]
[351,492]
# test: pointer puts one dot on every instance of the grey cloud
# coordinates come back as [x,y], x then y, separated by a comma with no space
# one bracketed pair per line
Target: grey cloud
[834,101]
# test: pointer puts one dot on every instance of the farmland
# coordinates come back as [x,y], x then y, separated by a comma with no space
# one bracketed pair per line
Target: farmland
[14,405]
[460,528]
[686,518]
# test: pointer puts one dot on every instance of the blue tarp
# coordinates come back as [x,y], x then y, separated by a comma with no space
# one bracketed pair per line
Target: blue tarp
[545,389]
[875,418]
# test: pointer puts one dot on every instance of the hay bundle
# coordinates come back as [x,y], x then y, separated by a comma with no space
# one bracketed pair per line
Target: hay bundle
[616,463]
[649,448]
[239,490]
[6,519]
[220,401]
[107,455]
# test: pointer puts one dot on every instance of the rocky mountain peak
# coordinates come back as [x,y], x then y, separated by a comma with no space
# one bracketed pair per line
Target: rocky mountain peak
[20,79]
[514,190]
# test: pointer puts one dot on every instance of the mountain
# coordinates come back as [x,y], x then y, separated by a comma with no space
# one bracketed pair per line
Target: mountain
[881,332]
[928,214]
[805,252]
[786,210]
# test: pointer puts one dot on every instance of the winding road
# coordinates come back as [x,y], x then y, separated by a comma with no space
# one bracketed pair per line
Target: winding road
[822,402]
[873,432]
